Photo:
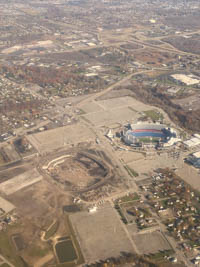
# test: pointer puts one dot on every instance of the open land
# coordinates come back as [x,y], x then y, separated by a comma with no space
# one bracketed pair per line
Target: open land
[57,138]
[26,179]
[6,206]
[74,77]
[151,242]
[114,110]
[94,243]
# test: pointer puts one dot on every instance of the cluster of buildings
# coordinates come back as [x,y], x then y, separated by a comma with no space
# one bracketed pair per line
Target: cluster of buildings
[159,136]
[143,217]
[177,204]
[18,108]
[186,79]
[7,213]
[194,159]
[193,144]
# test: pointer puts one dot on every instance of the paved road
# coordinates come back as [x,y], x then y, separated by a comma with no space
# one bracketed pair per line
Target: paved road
[128,234]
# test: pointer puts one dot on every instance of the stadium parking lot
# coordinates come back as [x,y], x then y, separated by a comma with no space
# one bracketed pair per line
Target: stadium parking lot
[107,240]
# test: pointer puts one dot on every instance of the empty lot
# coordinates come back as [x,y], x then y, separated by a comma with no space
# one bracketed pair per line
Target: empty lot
[109,111]
[6,205]
[101,234]
[54,139]
[19,182]
[107,117]
[151,242]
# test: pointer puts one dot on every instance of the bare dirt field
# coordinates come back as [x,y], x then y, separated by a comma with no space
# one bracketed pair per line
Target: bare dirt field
[19,182]
[78,171]
[151,242]
[38,206]
[12,172]
[108,240]
[129,157]
[28,46]
[6,205]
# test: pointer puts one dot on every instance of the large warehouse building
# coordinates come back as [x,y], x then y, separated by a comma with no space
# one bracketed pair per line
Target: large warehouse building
[145,134]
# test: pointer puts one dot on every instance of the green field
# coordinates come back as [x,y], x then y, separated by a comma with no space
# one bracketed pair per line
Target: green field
[65,251]
[154,115]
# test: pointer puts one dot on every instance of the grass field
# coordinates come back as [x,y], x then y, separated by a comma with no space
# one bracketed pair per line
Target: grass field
[65,251]
[154,115]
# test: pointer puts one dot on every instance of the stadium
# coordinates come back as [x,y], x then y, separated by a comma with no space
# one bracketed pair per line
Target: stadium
[147,134]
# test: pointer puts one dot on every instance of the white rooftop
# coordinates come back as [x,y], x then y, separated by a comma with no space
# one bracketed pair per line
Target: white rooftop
[197,154]
[192,142]
[197,135]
